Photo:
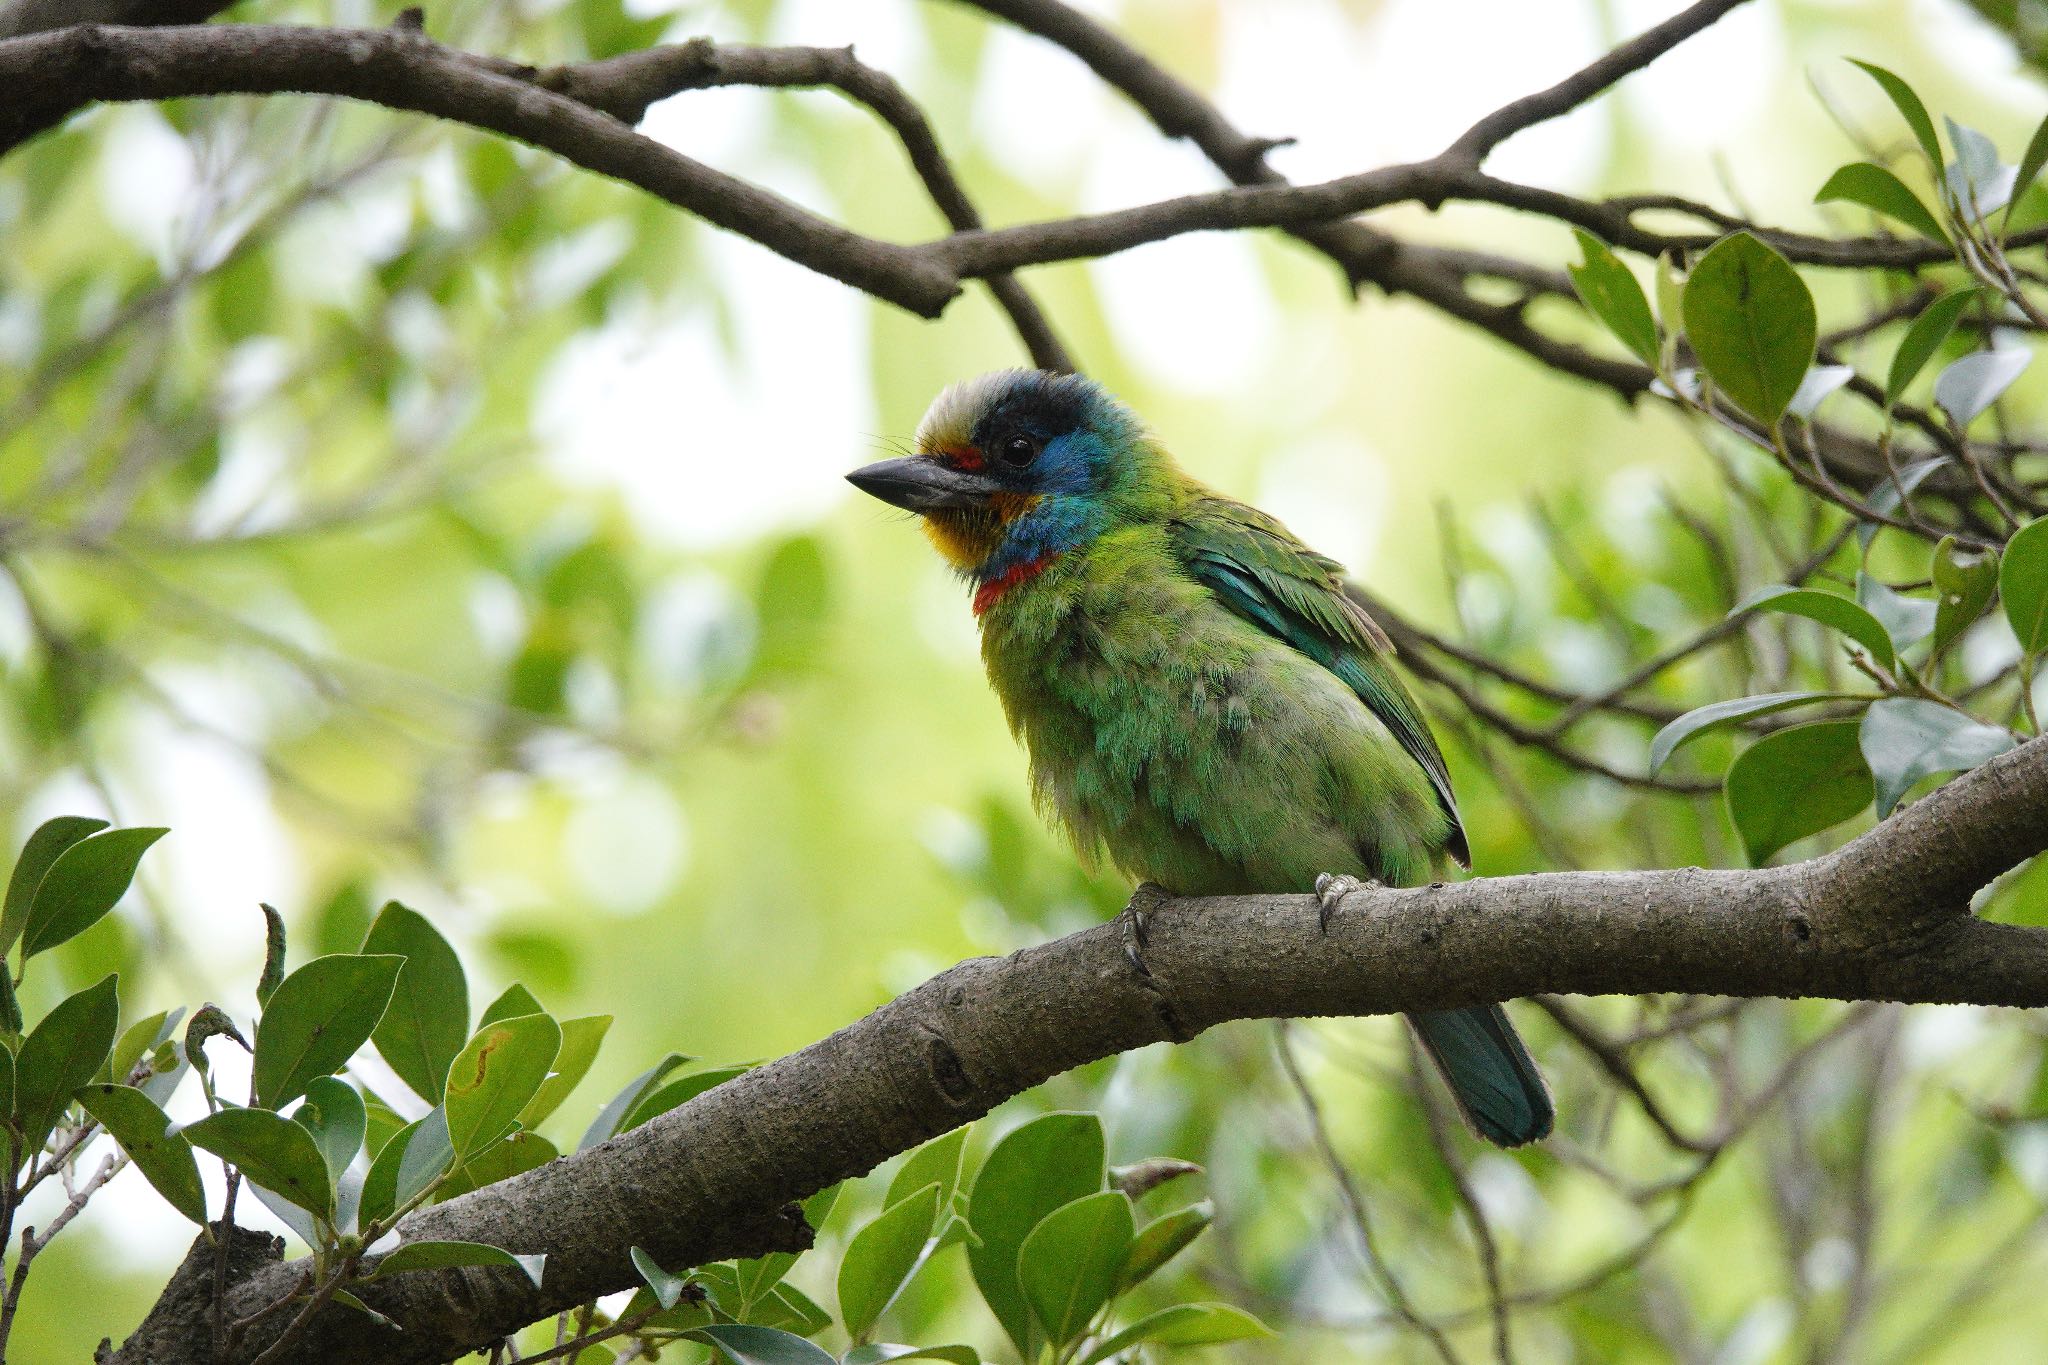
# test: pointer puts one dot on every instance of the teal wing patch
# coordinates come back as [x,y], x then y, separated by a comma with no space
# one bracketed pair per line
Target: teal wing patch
[1259,570]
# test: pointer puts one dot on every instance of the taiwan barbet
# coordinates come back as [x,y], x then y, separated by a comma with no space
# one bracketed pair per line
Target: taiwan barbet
[1199,696]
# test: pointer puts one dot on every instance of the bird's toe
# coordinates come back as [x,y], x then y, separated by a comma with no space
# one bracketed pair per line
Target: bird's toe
[1331,889]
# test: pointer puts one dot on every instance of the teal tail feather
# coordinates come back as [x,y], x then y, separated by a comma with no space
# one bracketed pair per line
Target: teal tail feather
[1496,1082]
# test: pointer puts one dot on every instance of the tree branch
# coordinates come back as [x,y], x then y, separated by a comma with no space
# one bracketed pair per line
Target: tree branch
[1885,917]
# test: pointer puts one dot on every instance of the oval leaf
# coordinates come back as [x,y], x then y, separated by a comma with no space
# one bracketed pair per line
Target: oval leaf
[1923,339]
[1610,292]
[1825,607]
[1068,1265]
[937,1162]
[1905,739]
[1878,189]
[1752,324]
[744,1344]
[44,846]
[1978,184]
[272,1151]
[880,1258]
[1184,1324]
[427,1021]
[1976,381]
[581,1038]
[1794,783]
[62,1053]
[883,1353]
[2023,585]
[1820,381]
[1162,1239]
[334,1114]
[495,1076]
[1036,1168]
[165,1158]
[606,1124]
[82,885]
[1963,584]
[1700,720]
[445,1255]
[316,1019]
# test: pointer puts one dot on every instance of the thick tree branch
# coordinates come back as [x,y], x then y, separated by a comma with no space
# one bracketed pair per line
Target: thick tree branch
[1886,917]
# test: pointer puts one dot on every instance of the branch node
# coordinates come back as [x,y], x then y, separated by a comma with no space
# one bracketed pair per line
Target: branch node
[412,19]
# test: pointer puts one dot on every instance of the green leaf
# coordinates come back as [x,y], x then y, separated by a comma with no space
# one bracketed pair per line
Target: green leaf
[1036,1168]
[1184,1324]
[62,1053]
[1963,583]
[1976,381]
[316,1020]
[428,1018]
[508,1156]
[270,1150]
[1068,1265]
[415,1156]
[606,1124]
[273,954]
[885,1353]
[1700,720]
[495,1076]
[2031,162]
[1924,338]
[7,1086]
[937,1162]
[43,848]
[333,1113]
[139,1040]
[2023,585]
[165,1158]
[1906,620]
[1876,188]
[512,1002]
[1611,293]
[746,1344]
[82,885]
[1752,324]
[667,1288]
[1905,739]
[1796,782]
[677,1093]
[446,1255]
[1162,1239]
[343,1297]
[791,1309]
[581,1038]
[881,1257]
[1839,613]
[1908,105]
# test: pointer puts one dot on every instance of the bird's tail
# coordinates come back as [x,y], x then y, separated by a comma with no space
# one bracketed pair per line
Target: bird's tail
[1497,1085]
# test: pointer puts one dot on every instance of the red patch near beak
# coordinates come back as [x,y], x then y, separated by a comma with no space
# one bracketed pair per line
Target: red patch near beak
[961,457]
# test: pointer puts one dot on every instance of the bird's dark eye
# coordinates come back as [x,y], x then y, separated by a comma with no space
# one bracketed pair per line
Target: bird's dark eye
[1018,451]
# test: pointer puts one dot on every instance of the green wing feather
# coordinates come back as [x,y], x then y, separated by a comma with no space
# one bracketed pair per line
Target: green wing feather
[1259,570]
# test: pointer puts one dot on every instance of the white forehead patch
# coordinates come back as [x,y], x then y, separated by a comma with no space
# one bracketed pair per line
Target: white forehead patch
[951,417]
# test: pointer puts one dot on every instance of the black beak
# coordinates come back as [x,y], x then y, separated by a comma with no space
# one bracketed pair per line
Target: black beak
[918,484]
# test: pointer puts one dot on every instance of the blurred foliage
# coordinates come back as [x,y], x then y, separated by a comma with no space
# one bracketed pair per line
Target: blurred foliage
[396,513]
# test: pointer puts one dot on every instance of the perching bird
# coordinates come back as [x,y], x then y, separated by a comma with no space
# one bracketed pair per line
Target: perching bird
[1198,695]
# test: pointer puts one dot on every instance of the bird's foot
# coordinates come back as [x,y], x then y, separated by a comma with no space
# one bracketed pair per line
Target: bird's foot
[1331,889]
[1133,921]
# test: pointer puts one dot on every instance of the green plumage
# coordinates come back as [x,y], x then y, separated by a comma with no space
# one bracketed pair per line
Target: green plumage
[1200,699]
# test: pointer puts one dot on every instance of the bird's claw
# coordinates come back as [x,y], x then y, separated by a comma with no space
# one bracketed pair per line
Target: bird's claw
[1134,920]
[1331,889]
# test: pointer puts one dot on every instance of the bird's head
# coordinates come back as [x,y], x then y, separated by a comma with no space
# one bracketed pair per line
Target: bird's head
[1017,467]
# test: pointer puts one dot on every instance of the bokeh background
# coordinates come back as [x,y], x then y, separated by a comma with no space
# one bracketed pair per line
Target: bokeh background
[393,512]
